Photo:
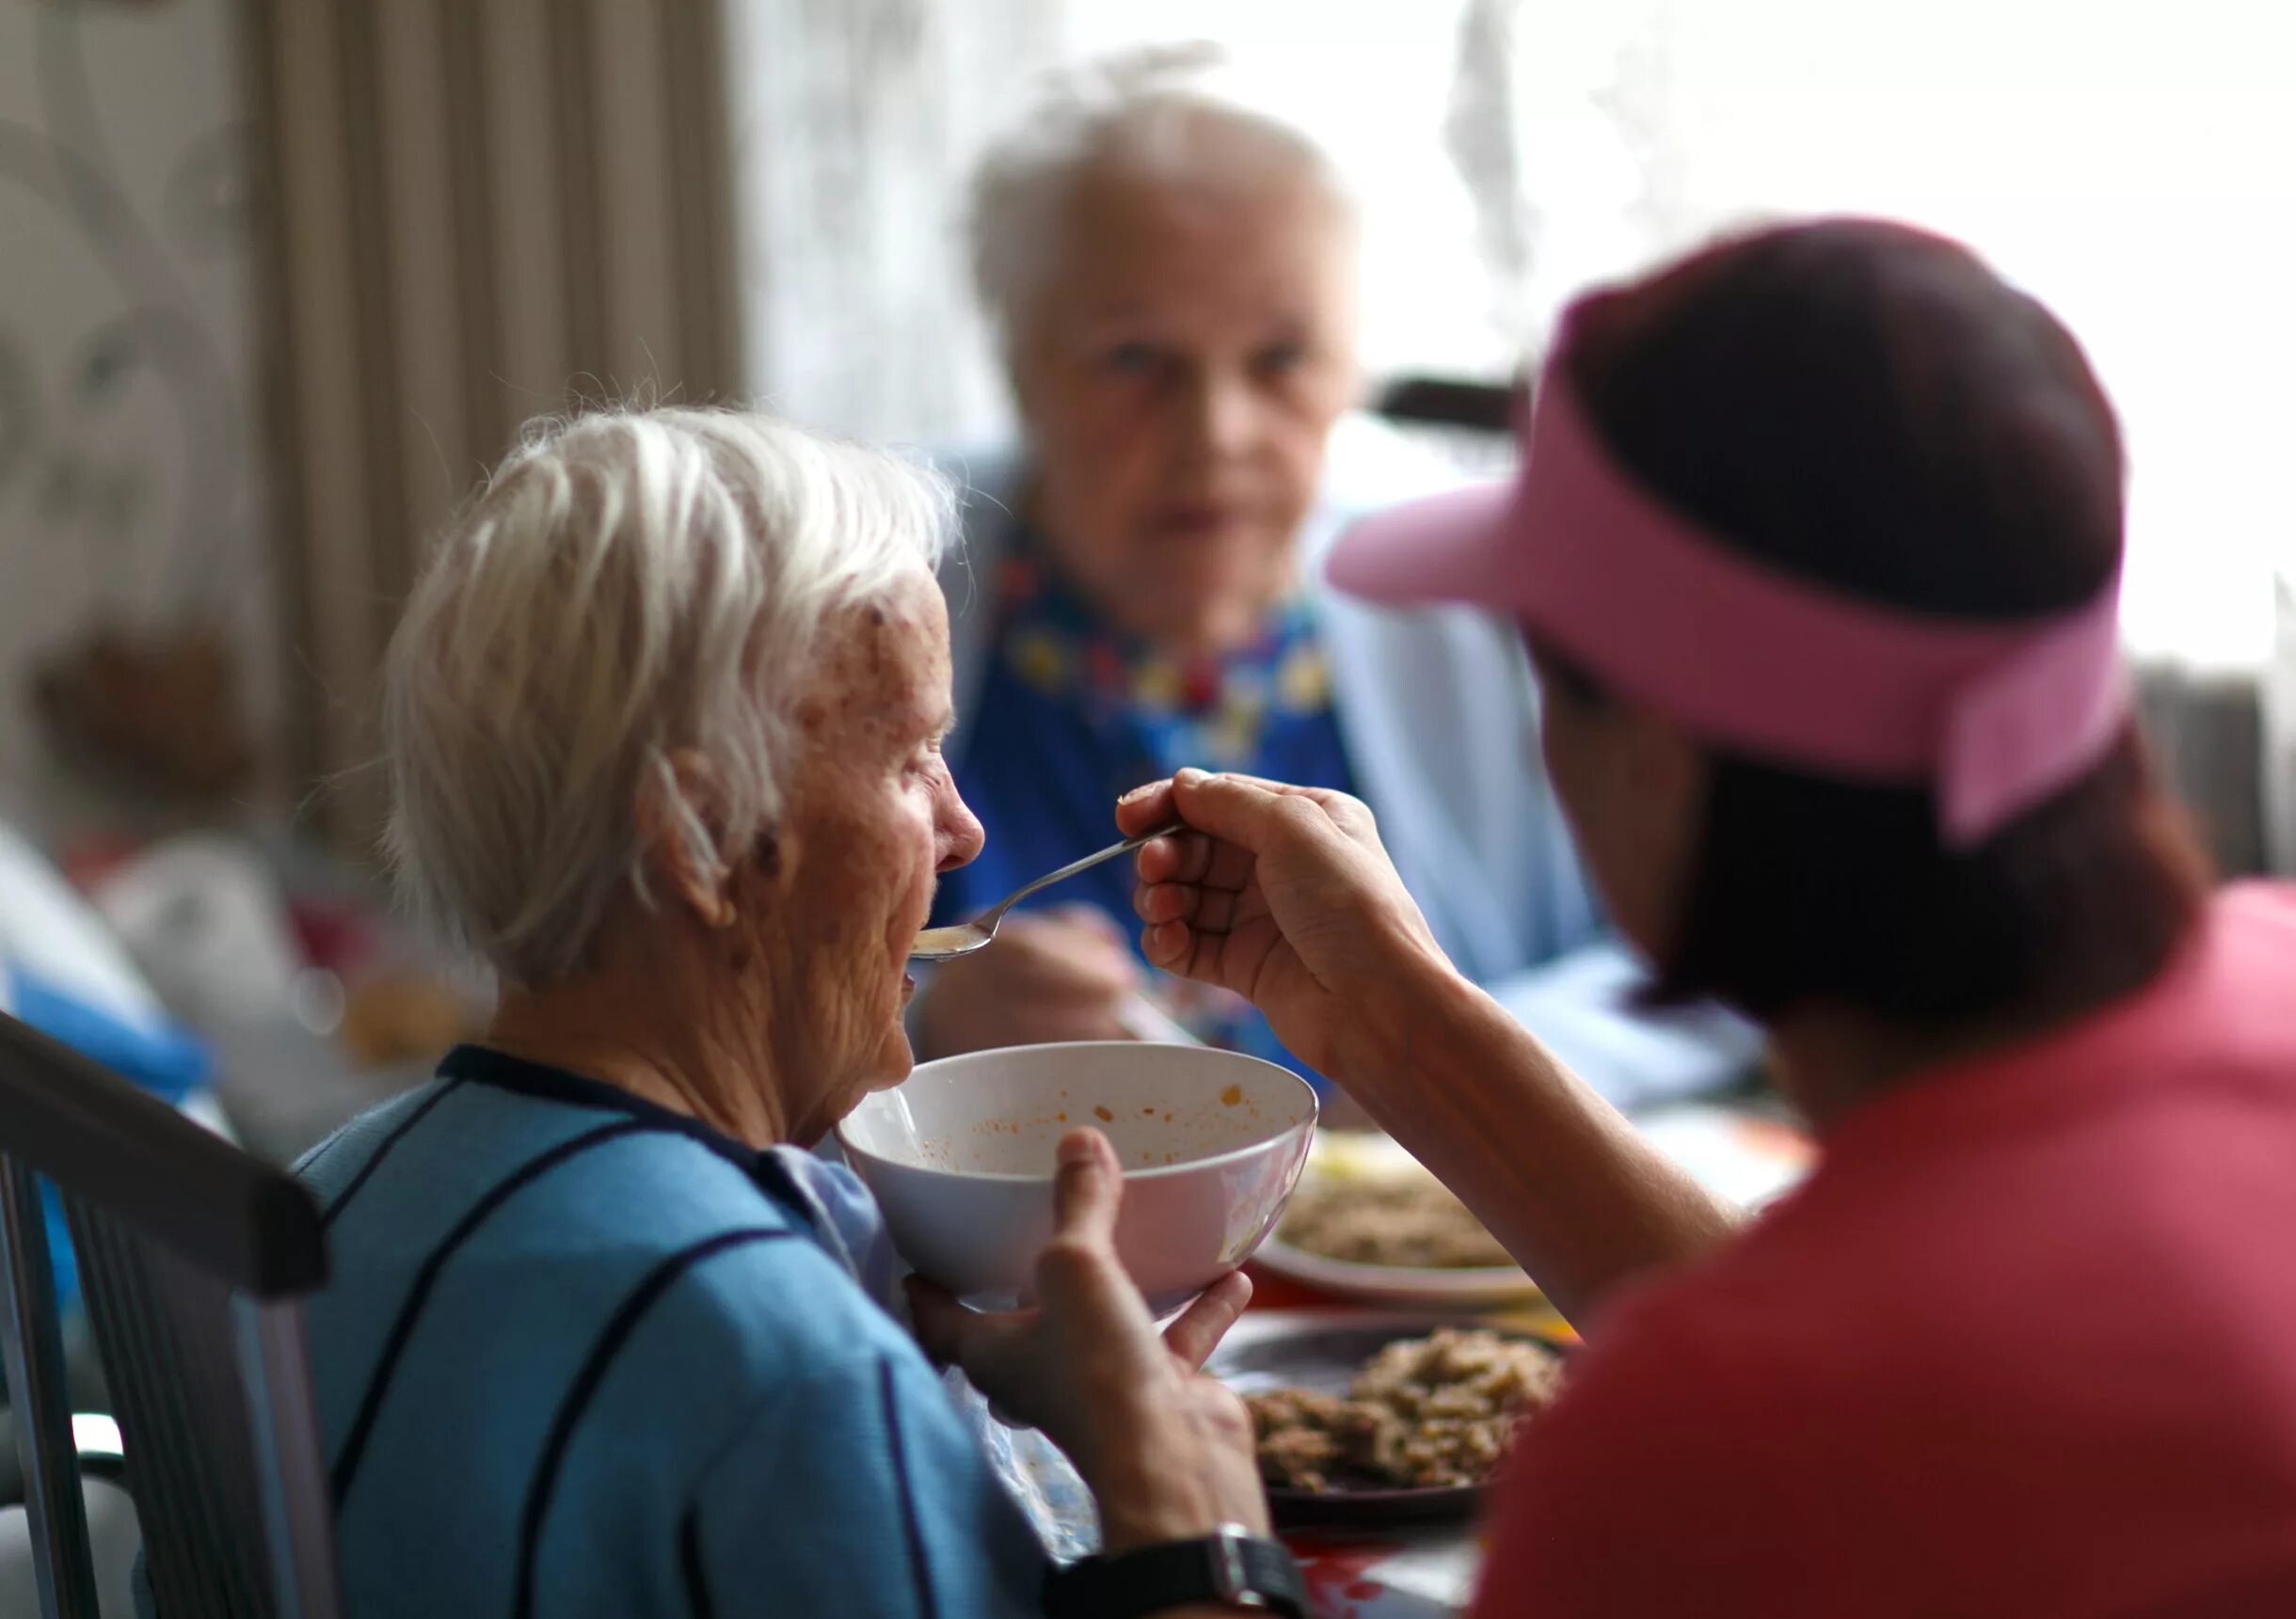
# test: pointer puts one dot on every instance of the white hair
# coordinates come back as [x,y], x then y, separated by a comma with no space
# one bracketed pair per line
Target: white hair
[1183,112]
[629,586]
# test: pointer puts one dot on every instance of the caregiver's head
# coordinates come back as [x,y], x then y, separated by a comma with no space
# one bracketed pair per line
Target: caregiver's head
[1817,548]
[663,728]
[1170,270]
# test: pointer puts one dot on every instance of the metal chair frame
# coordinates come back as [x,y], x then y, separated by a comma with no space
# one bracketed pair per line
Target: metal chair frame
[128,1158]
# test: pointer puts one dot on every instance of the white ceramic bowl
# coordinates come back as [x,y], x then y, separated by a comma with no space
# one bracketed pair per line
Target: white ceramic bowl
[960,1158]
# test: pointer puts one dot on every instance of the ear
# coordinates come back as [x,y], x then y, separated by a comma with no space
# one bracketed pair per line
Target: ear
[683,793]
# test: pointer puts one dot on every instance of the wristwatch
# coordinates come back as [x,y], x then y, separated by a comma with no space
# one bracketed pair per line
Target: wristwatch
[1230,1566]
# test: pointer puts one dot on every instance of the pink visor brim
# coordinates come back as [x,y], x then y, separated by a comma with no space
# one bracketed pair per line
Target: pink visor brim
[1994,717]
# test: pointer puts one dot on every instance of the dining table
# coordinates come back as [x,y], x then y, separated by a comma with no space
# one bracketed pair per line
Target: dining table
[1742,1149]
[1412,1571]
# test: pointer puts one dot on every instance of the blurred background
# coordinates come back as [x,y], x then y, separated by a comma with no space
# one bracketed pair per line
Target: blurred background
[279,278]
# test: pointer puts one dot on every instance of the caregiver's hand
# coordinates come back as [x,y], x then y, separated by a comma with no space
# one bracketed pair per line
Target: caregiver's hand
[1166,1452]
[1284,894]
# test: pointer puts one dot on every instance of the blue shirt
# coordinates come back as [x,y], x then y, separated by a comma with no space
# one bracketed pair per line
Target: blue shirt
[1072,714]
[580,1354]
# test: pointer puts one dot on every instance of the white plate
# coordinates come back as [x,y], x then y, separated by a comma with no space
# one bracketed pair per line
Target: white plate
[1343,1155]
[1472,1289]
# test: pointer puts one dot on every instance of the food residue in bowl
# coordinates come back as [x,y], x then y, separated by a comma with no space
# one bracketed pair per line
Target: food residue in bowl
[1423,1413]
[1164,1134]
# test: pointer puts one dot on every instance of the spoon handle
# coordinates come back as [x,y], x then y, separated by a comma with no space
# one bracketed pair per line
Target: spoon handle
[1085,864]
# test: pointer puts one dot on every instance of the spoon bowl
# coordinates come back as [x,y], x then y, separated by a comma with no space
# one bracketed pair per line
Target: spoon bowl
[957,939]
[964,938]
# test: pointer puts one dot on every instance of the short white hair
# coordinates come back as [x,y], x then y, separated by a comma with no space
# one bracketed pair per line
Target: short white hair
[1190,113]
[627,585]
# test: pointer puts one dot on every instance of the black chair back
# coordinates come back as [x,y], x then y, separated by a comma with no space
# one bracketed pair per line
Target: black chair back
[194,1259]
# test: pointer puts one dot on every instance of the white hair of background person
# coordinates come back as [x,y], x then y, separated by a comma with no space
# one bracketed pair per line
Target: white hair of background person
[1186,112]
[631,589]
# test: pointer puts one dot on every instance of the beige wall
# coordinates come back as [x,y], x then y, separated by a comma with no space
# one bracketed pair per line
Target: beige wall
[131,485]
[481,212]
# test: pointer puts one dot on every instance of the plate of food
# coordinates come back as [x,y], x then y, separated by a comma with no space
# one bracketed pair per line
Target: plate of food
[1386,1421]
[1369,1221]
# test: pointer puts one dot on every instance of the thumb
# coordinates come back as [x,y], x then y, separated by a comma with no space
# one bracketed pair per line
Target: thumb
[1086,1189]
[1235,809]
[1080,1280]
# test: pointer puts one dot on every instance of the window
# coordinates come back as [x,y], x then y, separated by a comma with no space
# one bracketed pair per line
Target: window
[2133,164]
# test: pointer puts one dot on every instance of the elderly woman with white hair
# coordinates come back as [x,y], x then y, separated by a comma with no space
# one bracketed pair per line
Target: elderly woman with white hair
[663,729]
[1171,270]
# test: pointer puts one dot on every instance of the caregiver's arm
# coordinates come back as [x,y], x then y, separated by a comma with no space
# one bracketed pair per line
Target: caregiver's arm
[1284,894]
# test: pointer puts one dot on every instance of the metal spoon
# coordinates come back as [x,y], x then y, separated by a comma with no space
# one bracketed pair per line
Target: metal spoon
[964,938]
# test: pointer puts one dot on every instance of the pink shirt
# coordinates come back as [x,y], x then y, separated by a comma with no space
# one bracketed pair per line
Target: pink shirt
[2025,1344]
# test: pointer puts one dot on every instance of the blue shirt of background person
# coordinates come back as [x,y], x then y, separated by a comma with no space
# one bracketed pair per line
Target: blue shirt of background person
[1072,713]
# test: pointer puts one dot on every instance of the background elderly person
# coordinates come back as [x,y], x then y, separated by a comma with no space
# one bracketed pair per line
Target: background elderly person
[662,725]
[1173,274]
[2025,1342]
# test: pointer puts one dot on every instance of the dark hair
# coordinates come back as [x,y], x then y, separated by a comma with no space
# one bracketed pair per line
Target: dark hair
[1871,409]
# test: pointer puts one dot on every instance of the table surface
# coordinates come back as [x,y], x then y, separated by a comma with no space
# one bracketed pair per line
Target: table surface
[1426,1572]
[1744,1151]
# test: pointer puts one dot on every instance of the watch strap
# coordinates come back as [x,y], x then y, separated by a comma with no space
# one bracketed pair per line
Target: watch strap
[1232,1566]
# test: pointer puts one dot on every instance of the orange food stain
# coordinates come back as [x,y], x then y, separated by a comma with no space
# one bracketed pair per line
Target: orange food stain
[1104,1116]
[1230,1097]
[1061,1117]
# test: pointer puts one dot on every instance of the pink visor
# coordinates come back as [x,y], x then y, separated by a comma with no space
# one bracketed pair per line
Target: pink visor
[1994,717]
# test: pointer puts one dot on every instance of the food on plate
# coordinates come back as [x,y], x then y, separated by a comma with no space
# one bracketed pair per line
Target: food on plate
[1399,1214]
[1424,1413]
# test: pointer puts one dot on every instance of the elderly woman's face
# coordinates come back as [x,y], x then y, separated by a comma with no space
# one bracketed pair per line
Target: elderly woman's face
[1178,379]
[873,815]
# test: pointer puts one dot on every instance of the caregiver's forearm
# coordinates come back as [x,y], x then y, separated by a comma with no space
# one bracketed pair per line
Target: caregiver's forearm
[1557,1175]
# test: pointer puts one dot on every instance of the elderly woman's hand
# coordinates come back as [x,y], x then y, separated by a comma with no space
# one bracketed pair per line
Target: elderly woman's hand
[1166,1452]
[1284,894]
[1058,974]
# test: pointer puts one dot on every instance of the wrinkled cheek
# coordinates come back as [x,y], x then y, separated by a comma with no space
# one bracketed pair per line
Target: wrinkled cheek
[893,1057]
